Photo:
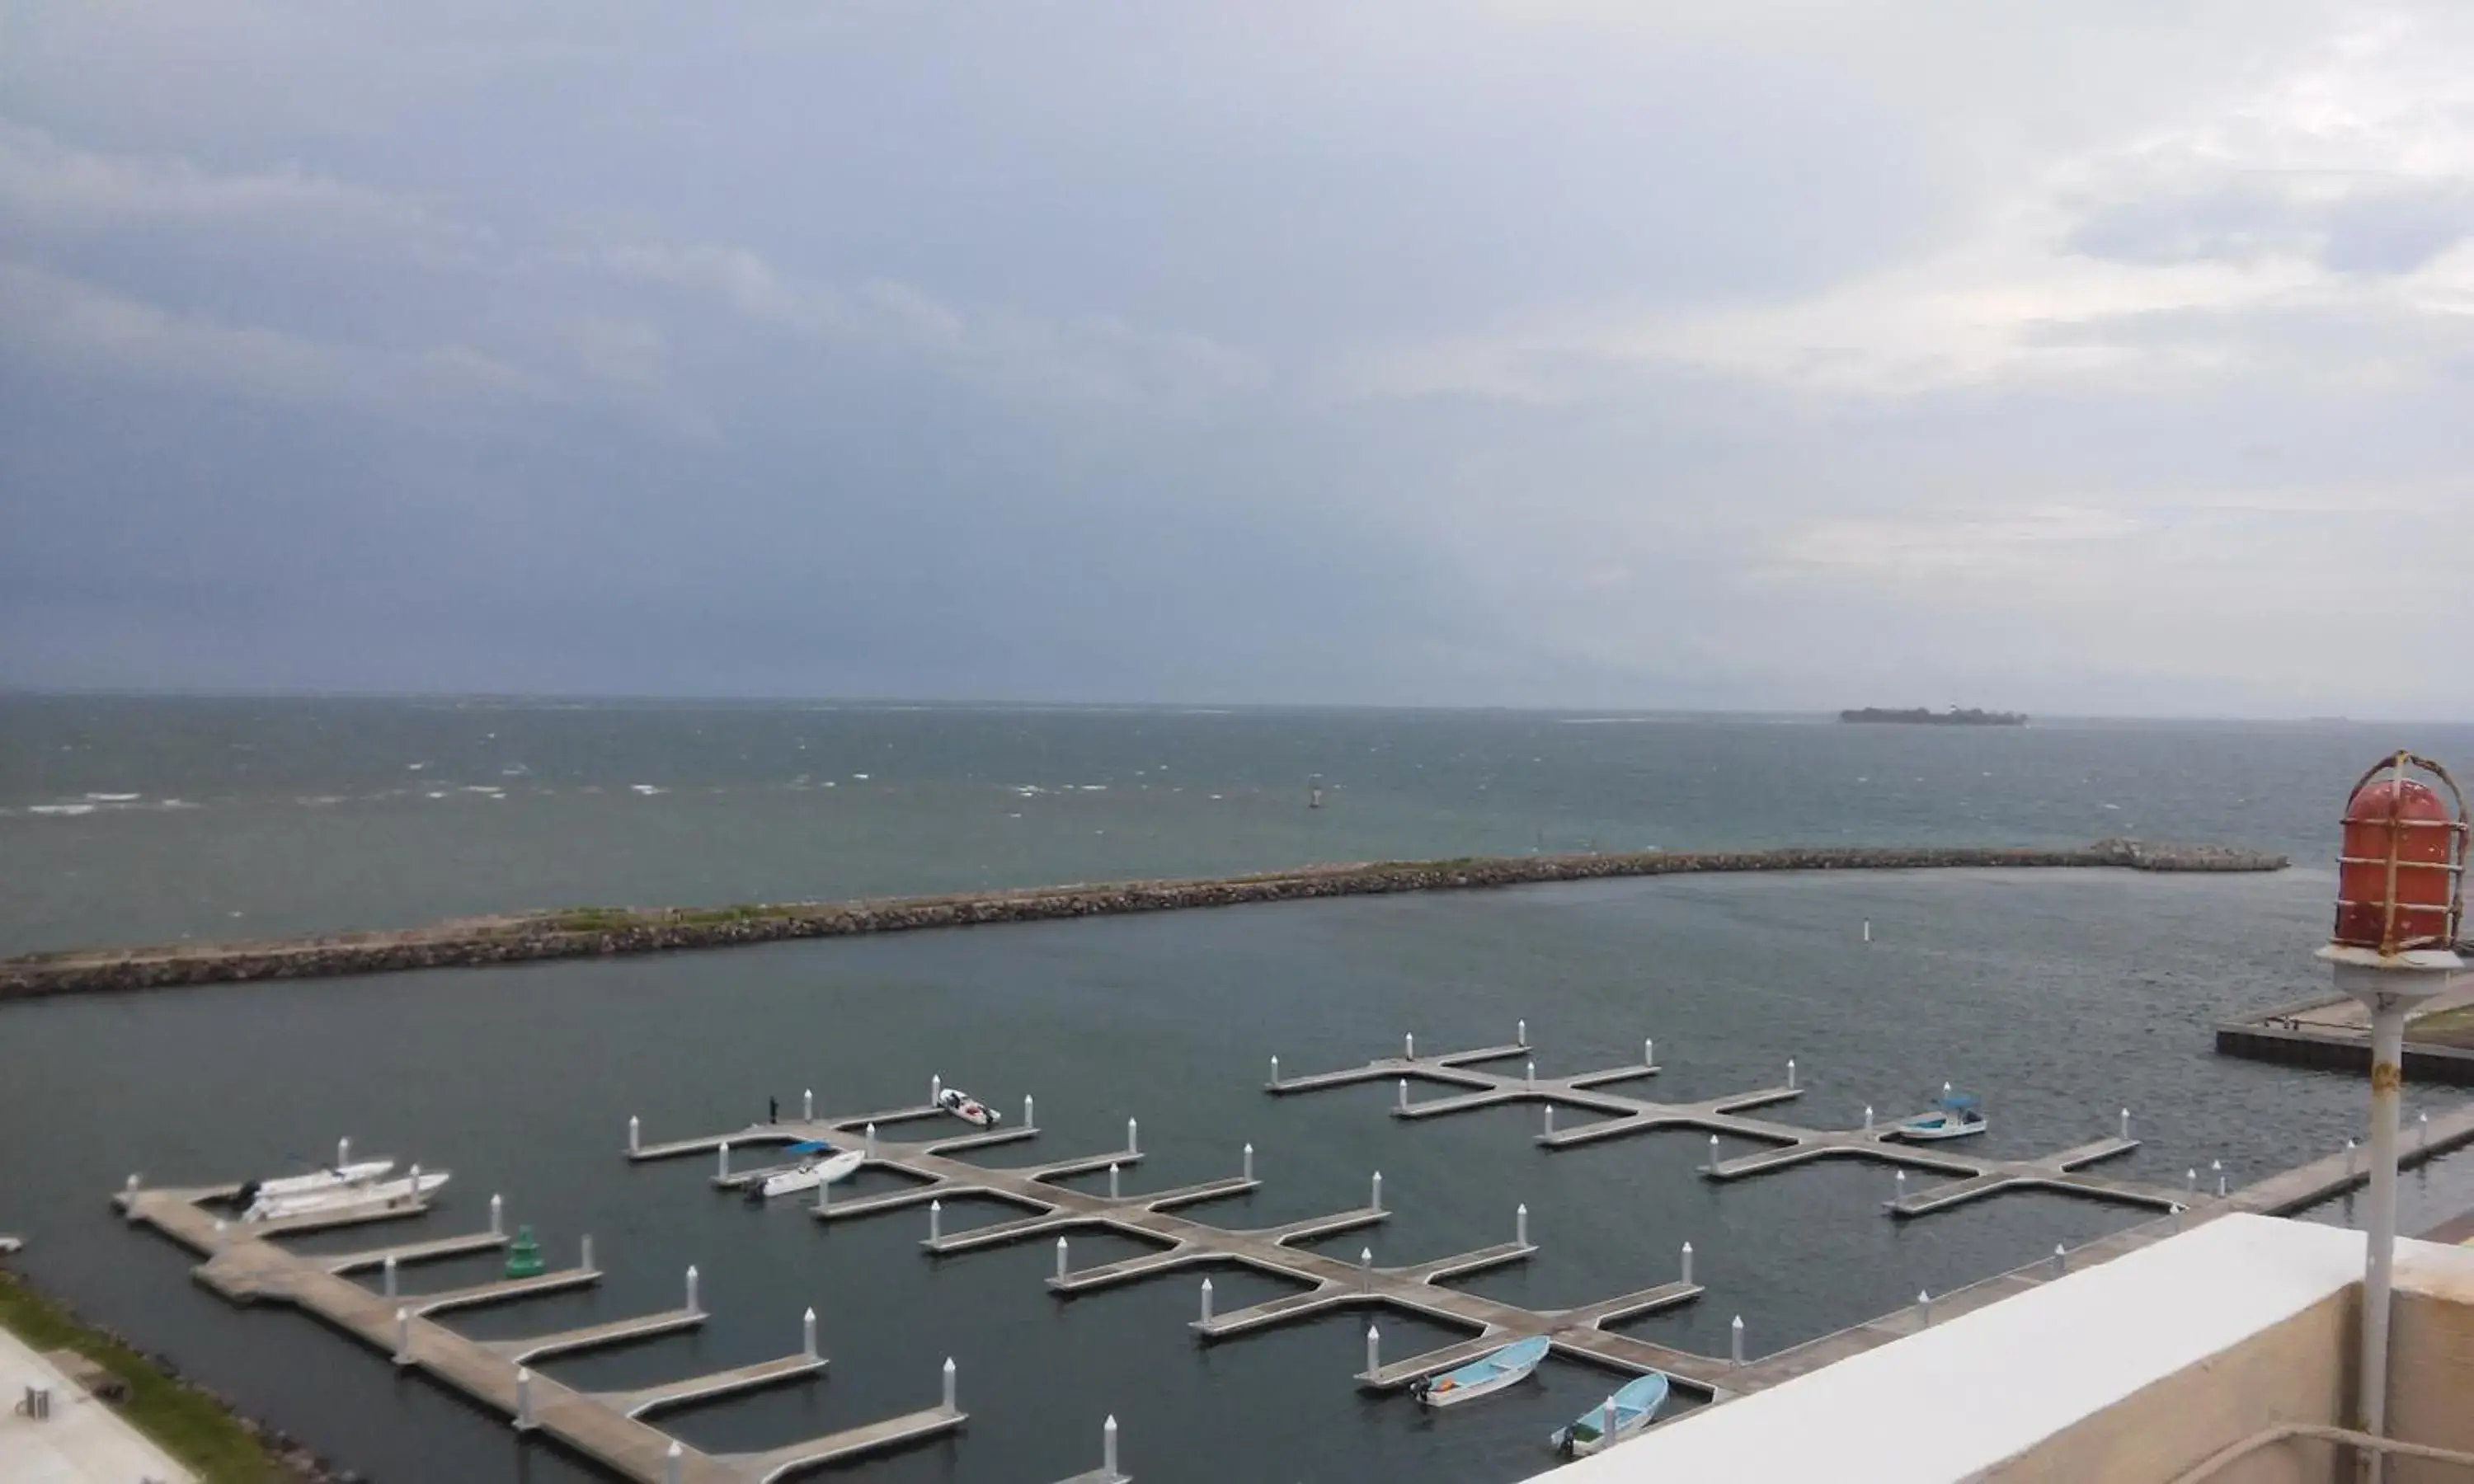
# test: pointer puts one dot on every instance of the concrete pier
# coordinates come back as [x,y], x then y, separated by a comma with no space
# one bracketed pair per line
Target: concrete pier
[243,1264]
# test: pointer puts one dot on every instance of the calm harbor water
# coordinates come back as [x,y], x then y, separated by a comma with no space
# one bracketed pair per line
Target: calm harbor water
[2061,996]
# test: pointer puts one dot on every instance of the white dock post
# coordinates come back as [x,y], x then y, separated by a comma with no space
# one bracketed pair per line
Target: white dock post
[132,1186]
[1029,1105]
[588,1251]
[1736,1340]
[1521,1224]
[1133,1145]
[949,1383]
[691,1289]
[1550,1120]
[402,1336]
[725,1160]
[670,1463]
[2349,1159]
[1405,1094]
[1649,1051]
[2191,1177]
[1687,1263]
[1276,1071]
[1790,1074]
[1899,1187]
[2177,1216]
[870,1136]
[2423,1121]
[1713,1150]
[808,1334]
[1060,1260]
[1365,1268]
[2216,1167]
[1409,1046]
[1247,1164]
[634,1135]
[1206,1300]
[1521,1036]
[388,1281]
[935,1086]
[497,1215]
[343,1151]
[1113,1192]
[1374,1350]
[1945,1089]
[1531,1072]
[1606,1421]
[1376,1202]
[935,1221]
[1923,1306]
[2125,1123]
[1868,929]
[524,1399]
[808,1106]
[1108,1448]
[1868,1117]
[2061,1260]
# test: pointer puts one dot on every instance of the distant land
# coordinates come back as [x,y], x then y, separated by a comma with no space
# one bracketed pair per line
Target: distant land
[1920,716]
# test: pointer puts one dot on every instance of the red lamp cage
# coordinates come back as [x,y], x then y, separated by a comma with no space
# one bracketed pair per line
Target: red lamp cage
[2401,871]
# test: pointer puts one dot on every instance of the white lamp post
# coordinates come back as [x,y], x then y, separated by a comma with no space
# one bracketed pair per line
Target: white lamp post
[2400,904]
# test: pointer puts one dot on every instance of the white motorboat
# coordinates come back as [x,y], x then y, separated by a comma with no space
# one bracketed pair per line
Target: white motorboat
[1627,1411]
[1483,1377]
[360,1172]
[824,1167]
[1955,1116]
[970,1110]
[377,1195]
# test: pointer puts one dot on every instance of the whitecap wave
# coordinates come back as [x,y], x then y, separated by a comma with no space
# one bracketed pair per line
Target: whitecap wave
[649,790]
[61,809]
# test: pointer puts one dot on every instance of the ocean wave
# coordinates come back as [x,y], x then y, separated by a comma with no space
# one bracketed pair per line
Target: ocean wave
[649,790]
[319,801]
[113,798]
[61,809]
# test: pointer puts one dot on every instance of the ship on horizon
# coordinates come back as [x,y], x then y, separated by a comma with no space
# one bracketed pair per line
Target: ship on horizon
[1924,716]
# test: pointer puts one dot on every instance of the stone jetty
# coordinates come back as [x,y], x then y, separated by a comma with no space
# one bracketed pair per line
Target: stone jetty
[603,932]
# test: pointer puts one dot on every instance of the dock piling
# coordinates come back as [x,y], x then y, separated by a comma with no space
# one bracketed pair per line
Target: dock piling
[935,1221]
[1521,1035]
[1868,1117]
[634,1135]
[1899,1187]
[1713,1150]
[524,1399]
[1113,1192]
[693,1307]
[387,1279]
[1133,1145]
[497,1214]
[868,1135]
[587,1263]
[1550,1120]
[1531,1072]
[949,1383]
[2349,1160]
[2191,1177]
[1247,1165]
[1405,1094]
[1276,1071]
[935,1088]
[2424,1122]
[1868,929]
[1923,1307]
[2061,1260]
[1109,1447]
[808,1106]
[2216,1167]
[808,1334]
[1028,1118]
[1376,1200]
[1687,1263]
[1736,1340]
[2125,1123]
[824,1196]
[724,1172]
[670,1463]
[1060,1260]
[132,1186]
[402,1336]
[1366,1267]
[343,1151]
[1649,1051]
[1521,1224]
[1206,1300]
[1790,1071]
[1409,1046]
[1374,1350]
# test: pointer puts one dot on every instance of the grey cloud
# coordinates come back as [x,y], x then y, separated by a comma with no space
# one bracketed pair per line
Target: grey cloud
[2351,224]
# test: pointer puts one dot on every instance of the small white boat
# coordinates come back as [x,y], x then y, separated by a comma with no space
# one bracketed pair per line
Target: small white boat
[377,1195]
[1955,1116]
[1483,1377]
[970,1110]
[823,1167]
[360,1172]
[1628,1410]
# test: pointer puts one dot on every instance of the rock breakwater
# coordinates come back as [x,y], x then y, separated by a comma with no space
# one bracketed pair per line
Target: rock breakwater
[601,931]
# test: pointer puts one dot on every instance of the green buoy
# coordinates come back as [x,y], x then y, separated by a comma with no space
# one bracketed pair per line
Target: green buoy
[524,1254]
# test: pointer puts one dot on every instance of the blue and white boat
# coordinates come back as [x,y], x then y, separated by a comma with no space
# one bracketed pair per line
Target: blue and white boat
[1483,1377]
[819,1164]
[1954,1115]
[1627,1410]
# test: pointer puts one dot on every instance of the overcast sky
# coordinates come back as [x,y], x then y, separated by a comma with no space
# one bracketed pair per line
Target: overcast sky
[2097,357]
